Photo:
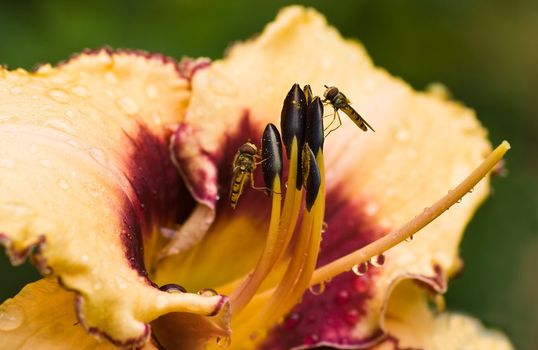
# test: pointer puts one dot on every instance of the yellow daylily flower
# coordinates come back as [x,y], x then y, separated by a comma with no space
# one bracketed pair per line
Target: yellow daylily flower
[114,173]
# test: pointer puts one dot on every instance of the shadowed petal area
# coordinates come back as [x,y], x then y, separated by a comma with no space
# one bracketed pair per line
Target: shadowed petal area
[414,325]
[42,316]
[86,178]
[423,146]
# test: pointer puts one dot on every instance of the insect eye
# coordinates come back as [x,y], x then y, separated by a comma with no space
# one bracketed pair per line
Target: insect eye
[331,92]
[248,148]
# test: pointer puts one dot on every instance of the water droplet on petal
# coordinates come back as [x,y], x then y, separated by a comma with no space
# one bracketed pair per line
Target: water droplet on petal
[173,288]
[45,163]
[342,297]
[60,125]
[360,269]
[409,239]
[378,260]
[351,316]
[371,208]
[221,84]
[127,105]
[224,342]
[58,95]
[63,184]
[5,118]
[11,316]
[311,339]
[207,292]
[111,78]
[98,155]
[80,91]
[16,90]
[92,189]
[292,320]
[7,163]
[402,135]
[69,113]
[151,91]
[319,290]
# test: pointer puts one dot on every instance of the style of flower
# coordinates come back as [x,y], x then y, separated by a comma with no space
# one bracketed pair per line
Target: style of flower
[114,174]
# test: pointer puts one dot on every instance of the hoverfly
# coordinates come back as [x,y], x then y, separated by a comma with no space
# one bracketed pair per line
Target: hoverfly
[340,102]
[244,163]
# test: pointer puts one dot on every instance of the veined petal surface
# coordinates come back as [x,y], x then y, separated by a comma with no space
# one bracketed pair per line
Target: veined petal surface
[86,182]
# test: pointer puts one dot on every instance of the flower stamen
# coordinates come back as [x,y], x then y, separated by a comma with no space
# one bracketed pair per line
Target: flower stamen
[272,170]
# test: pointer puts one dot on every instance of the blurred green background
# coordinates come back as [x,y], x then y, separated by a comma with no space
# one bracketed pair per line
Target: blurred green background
[486,52]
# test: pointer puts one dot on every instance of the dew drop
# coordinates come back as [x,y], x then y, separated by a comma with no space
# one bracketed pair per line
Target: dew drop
[11,316]
[471,190]
[45,163]
[98,155]
[342,297]
[58,95]
[378,260]
[371,209]
[69,113]
[402,135]
[92,189]
[409,239]
[207,292]
[292,320]
[111,78]
[319,290]
[173,288]
[224,342]
[60,125]
[151,91]
[459,200]
[351,316]
[73,143]
[127,105]
[221,84]
[324,227]
[311,339]
[16,90]
[360,269]
[7,163]
[5,118]
[63,184]
[80,91]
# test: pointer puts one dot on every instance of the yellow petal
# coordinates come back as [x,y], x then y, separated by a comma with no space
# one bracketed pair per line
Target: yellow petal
[414,325]
[42,316]
[85,178]
[423,146]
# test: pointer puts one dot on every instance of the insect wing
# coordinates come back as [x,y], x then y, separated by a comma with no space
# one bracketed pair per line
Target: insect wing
[357,119]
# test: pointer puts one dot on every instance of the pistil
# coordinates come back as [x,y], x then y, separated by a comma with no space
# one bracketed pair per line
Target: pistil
[429,214]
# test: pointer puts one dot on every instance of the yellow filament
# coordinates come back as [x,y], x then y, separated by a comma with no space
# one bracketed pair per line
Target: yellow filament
[303,260]
[244,293]
[292,202]
[429,214]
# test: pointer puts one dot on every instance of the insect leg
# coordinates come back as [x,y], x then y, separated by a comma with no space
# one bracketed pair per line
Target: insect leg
[339,123]
[254,187]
